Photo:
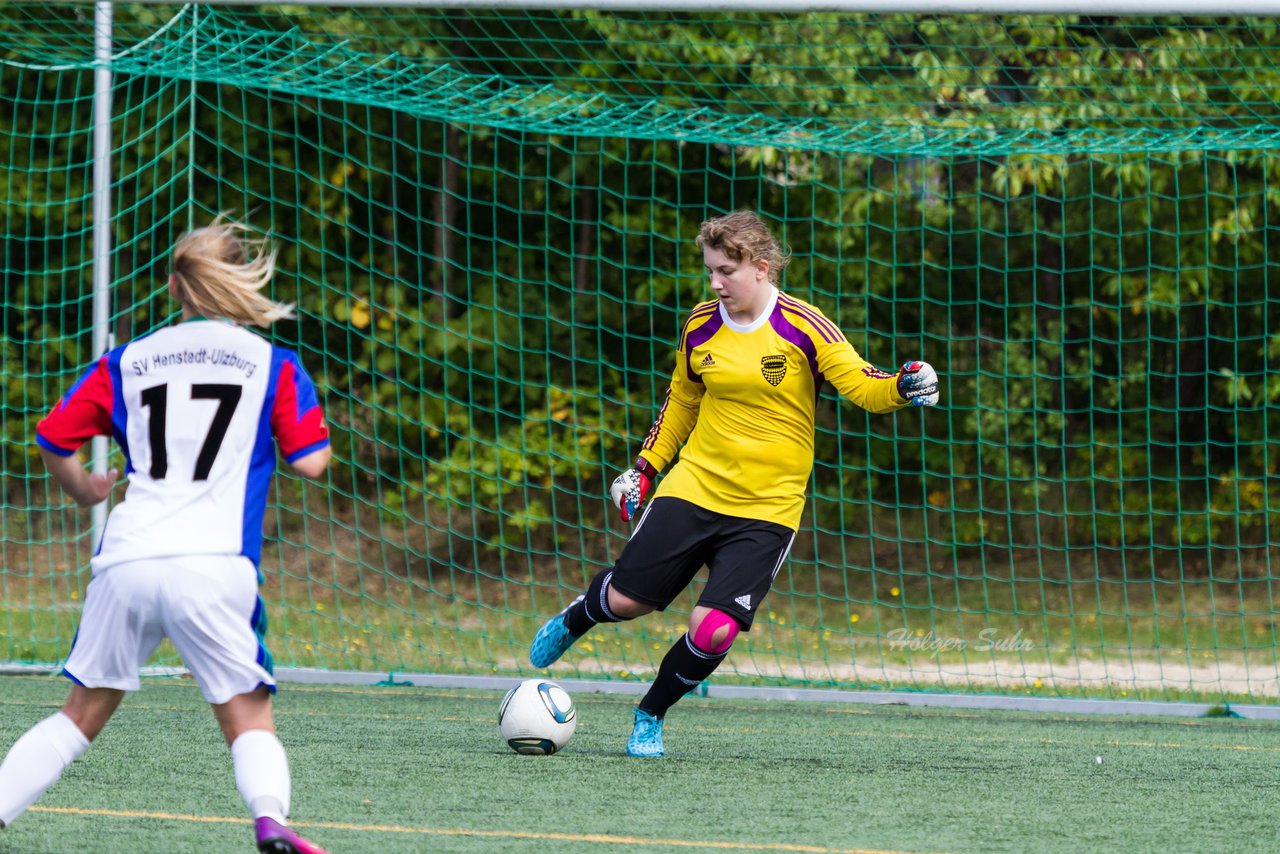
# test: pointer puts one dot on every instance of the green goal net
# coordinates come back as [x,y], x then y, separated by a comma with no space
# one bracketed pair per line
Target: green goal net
[486,218]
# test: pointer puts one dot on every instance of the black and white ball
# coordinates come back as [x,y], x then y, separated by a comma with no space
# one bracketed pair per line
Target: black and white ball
[537,717]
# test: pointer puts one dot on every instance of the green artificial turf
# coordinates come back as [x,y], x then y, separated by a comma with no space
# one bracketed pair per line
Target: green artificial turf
[400,769]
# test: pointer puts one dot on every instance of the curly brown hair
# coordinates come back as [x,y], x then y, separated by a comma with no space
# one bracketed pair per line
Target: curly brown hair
[742,235]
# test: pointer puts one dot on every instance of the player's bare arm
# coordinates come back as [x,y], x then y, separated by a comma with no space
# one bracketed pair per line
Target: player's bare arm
[86,488]
[313,464]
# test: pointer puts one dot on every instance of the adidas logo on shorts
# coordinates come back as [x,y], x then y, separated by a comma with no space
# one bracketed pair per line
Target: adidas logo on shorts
[744,601]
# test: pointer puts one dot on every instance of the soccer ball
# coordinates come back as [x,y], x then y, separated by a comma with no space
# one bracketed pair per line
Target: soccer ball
[537,718]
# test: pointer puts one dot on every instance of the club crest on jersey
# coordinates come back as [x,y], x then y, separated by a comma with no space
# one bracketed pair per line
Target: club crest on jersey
[774,368]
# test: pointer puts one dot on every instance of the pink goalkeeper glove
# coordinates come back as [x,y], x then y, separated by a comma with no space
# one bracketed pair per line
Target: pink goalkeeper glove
[632,487]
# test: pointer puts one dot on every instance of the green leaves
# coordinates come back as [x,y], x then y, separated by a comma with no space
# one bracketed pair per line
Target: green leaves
[486,218]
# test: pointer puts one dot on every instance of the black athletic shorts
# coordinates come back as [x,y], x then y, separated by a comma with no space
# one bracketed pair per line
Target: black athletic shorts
[674,539]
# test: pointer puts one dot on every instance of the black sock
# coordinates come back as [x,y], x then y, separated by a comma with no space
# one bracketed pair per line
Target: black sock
[591,607]
[683,668]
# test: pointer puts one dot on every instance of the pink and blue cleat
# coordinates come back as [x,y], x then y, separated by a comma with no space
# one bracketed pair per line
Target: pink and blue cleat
[276,838]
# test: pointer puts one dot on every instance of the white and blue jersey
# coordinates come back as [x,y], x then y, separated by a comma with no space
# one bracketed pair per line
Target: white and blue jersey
[198,409]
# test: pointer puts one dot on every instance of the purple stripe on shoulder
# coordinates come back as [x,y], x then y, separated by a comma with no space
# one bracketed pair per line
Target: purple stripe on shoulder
[695,315]
[818,327]
[828,330]
[787,331]
[700,336]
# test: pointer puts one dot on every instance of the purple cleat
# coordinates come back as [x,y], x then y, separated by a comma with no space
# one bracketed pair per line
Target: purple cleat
[276,838]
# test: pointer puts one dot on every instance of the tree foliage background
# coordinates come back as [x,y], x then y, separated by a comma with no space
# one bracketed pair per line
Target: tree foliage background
[486,219]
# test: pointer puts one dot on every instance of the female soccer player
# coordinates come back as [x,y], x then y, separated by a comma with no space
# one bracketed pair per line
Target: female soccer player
[194,408]
[749,365]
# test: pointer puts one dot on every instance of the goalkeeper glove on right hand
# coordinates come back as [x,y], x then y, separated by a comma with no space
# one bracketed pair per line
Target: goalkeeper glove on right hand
[918,384]
[632,487]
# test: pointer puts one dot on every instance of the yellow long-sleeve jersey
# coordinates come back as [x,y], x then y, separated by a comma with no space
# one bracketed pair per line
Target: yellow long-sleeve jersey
[745,398]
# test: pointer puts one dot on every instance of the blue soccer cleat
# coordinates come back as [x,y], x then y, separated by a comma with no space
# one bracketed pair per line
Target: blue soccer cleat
[550,642]
[646,736]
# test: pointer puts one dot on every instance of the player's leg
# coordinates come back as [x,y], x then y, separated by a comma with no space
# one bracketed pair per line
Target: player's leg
[656,563]
[216,620]
[38,758]
[600,603]
[746,558]
[262,770]
[90,708]
[117,633]
[688,663]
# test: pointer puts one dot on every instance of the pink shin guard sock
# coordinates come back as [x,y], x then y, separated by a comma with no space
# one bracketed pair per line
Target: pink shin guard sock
[702,637]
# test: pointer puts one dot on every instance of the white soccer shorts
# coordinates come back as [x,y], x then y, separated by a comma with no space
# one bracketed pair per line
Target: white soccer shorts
[208,605]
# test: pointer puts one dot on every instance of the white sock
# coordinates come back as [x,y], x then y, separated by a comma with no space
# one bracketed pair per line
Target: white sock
[36,761]
[262,774]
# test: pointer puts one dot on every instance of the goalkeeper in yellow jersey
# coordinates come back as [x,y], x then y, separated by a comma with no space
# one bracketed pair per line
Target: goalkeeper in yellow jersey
[740,416]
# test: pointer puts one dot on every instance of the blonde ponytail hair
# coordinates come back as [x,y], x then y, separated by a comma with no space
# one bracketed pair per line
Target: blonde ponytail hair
[217,271]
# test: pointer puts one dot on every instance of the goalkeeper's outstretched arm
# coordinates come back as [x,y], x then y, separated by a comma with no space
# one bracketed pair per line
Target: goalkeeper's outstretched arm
[916,384]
